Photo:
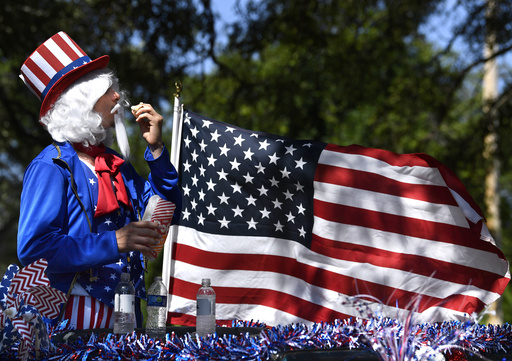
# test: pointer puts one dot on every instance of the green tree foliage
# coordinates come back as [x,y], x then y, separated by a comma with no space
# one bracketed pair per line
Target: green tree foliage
[344,72]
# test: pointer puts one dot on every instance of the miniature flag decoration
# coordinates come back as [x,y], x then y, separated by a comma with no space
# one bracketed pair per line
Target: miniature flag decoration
[25,296]
[162,211]
[289,231]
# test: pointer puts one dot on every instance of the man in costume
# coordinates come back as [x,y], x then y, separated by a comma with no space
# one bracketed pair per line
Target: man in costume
[82,203]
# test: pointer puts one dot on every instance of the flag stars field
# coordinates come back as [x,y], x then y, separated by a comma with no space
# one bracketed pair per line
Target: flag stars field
[258,179]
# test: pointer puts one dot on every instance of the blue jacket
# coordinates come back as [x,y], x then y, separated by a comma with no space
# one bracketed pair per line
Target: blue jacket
[53,224]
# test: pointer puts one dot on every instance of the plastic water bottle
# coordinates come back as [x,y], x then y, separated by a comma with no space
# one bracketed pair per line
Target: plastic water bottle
[205,317]
[157,310]
[124,306]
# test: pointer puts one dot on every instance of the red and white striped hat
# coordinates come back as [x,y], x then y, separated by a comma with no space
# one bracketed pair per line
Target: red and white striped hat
[55,64]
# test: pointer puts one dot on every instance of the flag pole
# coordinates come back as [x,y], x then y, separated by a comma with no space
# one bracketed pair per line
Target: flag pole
[175,157]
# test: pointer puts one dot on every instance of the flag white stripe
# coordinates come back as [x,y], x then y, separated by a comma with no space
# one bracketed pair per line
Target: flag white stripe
[260,280]
[405,174]
[249,279]
[390,204]
[89,319]
[235,244]
[399,243]
[261,313]
[468,211]
[74,315]
[104,317]
[393,278]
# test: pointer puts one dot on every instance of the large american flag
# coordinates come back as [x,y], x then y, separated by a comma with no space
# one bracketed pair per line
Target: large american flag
[289,231]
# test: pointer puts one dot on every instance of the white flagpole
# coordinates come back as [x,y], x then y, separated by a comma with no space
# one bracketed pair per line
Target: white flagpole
[167,266]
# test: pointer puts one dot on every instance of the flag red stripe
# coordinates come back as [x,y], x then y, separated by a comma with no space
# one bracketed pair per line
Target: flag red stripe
[410,160]
[183,319]
[416,264]
[419,228]
[376,183]
[109,315]
[81,308]
[394,159]
[311,311]
[270,298]
[289,266]
[93,322]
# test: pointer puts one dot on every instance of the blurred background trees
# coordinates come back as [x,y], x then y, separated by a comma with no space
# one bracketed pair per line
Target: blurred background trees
[400,75]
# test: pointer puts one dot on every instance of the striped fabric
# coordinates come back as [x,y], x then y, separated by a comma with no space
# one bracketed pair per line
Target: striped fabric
[50,61]
[289,231]
[86,312]
[54,66]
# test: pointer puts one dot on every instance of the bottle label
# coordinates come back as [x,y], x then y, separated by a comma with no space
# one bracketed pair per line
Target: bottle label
[205,307]
[124,303]
[157,301]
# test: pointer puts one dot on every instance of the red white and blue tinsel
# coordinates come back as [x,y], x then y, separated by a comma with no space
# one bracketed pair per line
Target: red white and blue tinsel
[451,341]
[25,297]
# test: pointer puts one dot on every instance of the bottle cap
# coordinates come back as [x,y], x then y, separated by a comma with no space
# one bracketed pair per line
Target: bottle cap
[125,276]
[205,282]
[158,278]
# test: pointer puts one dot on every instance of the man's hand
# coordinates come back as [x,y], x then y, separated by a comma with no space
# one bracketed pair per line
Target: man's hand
[150,123]
[138,236]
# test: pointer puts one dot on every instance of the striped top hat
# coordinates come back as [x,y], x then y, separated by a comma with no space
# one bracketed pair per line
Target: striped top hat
[55,64]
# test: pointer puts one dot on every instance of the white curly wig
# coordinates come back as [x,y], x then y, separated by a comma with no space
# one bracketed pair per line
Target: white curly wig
[73,119]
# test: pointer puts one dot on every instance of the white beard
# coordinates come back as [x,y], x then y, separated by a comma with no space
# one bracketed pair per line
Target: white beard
[121,135]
